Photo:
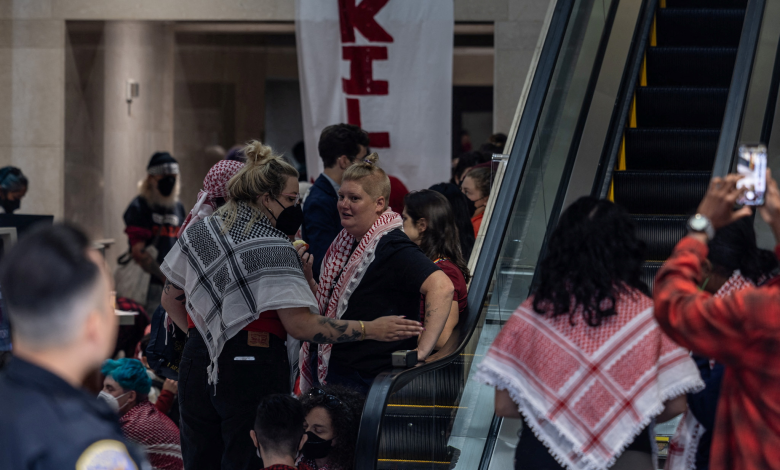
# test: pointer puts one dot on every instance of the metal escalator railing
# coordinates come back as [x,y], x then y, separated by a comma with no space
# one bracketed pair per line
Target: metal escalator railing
[432,416]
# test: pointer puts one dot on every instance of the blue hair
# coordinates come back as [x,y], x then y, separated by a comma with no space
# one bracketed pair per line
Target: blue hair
[12,179]
[130,374]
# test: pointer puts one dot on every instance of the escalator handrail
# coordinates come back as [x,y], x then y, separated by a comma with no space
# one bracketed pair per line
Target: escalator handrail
[625,97]
[738,90]
[389,381]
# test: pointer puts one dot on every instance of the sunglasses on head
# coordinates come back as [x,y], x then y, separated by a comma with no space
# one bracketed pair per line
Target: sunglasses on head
[330,400]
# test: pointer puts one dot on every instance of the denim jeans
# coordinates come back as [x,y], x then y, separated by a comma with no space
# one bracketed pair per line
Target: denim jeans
[216,420]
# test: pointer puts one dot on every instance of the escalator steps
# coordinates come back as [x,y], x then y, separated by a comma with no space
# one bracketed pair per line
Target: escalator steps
[660,233]
[671,149]
[660,192]
[706,27]
[690,66]
[649,270]
[706,3]
[678,107]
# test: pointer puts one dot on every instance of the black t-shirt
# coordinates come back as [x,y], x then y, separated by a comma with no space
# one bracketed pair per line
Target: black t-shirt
[162,224]
[391,286]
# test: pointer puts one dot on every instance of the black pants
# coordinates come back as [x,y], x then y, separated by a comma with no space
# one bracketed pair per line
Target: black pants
[215,427]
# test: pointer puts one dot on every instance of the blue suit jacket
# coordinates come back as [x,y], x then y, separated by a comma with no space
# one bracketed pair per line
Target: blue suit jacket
[321,221]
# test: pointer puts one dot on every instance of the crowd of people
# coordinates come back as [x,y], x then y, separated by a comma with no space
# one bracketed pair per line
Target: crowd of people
[374,269]
[289,304]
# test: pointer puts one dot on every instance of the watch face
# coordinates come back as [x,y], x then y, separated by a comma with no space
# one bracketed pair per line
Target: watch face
[698,223]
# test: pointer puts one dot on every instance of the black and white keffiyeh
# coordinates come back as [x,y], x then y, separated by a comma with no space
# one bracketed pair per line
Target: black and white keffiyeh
[231,278]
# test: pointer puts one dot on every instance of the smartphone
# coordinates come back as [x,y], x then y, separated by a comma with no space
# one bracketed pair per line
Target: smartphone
[752,164]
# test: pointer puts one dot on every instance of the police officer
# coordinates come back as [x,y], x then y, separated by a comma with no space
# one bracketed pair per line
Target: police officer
[56,289]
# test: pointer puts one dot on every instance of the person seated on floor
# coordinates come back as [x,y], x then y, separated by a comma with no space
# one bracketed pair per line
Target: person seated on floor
[126,390]
[331,424]
[278,431]
[430,224]
[164,392]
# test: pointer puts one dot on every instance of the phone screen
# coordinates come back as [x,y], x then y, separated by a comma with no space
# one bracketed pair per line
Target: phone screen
[752,164]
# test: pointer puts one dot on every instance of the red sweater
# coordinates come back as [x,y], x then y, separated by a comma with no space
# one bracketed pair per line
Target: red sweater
[742,331]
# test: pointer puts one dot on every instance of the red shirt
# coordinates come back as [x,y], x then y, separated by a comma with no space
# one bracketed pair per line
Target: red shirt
[269,321]
[476,221]
[461,294]
[398,192]
[742,331]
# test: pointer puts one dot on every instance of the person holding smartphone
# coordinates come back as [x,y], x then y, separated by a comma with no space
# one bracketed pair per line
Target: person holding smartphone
[740,330]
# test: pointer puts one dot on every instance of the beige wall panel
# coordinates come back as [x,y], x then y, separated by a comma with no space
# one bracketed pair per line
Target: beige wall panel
[481,10]
[25,9]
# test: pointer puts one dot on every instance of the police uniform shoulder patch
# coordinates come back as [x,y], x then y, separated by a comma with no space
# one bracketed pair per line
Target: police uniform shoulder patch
[107,454]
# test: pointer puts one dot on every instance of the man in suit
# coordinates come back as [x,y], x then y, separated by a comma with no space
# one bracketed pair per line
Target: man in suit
[339,146]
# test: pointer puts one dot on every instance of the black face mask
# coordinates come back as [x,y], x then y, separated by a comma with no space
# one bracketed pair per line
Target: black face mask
[166,185]
[316,447]
[10,206]
[290,220]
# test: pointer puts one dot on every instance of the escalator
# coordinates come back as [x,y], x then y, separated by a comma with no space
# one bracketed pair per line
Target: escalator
[673,121]
[669,144]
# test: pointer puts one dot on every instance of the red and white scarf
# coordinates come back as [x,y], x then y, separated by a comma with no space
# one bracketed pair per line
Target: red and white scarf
[587,392]
[156,433]
[685,443]
[346,272]
[214,186]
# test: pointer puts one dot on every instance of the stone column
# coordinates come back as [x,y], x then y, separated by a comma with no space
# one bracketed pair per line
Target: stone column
[144,52]
[32,101]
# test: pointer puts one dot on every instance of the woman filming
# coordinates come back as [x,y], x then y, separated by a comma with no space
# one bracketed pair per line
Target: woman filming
[370,271]
[582,361]
[430,224]
[241,281]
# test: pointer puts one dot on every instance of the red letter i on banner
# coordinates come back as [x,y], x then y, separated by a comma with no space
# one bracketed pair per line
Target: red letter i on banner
[378,139]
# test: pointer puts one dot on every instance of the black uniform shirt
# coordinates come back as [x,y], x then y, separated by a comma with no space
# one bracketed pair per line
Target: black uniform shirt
[45,424]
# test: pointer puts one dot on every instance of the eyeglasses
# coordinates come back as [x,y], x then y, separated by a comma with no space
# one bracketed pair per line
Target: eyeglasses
[297,197]
[330,400]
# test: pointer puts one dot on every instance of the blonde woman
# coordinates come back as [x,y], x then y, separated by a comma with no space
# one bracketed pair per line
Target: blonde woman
[372,271]
[238,277]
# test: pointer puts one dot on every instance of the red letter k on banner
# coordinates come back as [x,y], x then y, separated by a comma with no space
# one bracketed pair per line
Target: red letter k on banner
[361,17]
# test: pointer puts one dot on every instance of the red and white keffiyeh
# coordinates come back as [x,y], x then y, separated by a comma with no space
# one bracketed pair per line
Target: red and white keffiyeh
[346,272]
[214,186]
[156,433]
[587,392]
[685,443]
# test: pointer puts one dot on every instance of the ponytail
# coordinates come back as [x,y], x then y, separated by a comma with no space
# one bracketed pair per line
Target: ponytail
[264,172]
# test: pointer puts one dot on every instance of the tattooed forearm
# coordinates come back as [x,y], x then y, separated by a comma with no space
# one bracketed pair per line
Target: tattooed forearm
[149,264]
[335,331]
[167,287]
[182,298]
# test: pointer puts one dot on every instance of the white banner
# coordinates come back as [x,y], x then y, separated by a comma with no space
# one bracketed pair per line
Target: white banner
[386,66]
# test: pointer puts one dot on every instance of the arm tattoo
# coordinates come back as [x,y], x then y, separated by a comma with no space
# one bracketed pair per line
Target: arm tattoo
[337,332]
[167,287]
[182,298]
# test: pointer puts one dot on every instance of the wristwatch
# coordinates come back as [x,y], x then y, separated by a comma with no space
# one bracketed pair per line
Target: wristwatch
[700,224]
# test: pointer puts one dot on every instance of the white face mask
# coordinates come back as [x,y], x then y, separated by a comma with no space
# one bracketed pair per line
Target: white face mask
[111,400]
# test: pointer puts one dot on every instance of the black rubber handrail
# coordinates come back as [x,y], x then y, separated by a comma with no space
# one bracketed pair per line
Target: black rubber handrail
[740,81]
[389,381]
[617,123]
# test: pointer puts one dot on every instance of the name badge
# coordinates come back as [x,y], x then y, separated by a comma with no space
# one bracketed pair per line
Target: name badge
[259,339]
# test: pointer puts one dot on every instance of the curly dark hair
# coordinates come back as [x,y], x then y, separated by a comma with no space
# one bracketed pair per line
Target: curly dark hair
[734,247]
[345,419]
[593,255]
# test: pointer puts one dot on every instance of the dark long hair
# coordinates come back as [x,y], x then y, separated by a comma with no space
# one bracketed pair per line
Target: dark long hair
[441,236]
[462,214]
[594,254]
[734,247]
[345,418]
